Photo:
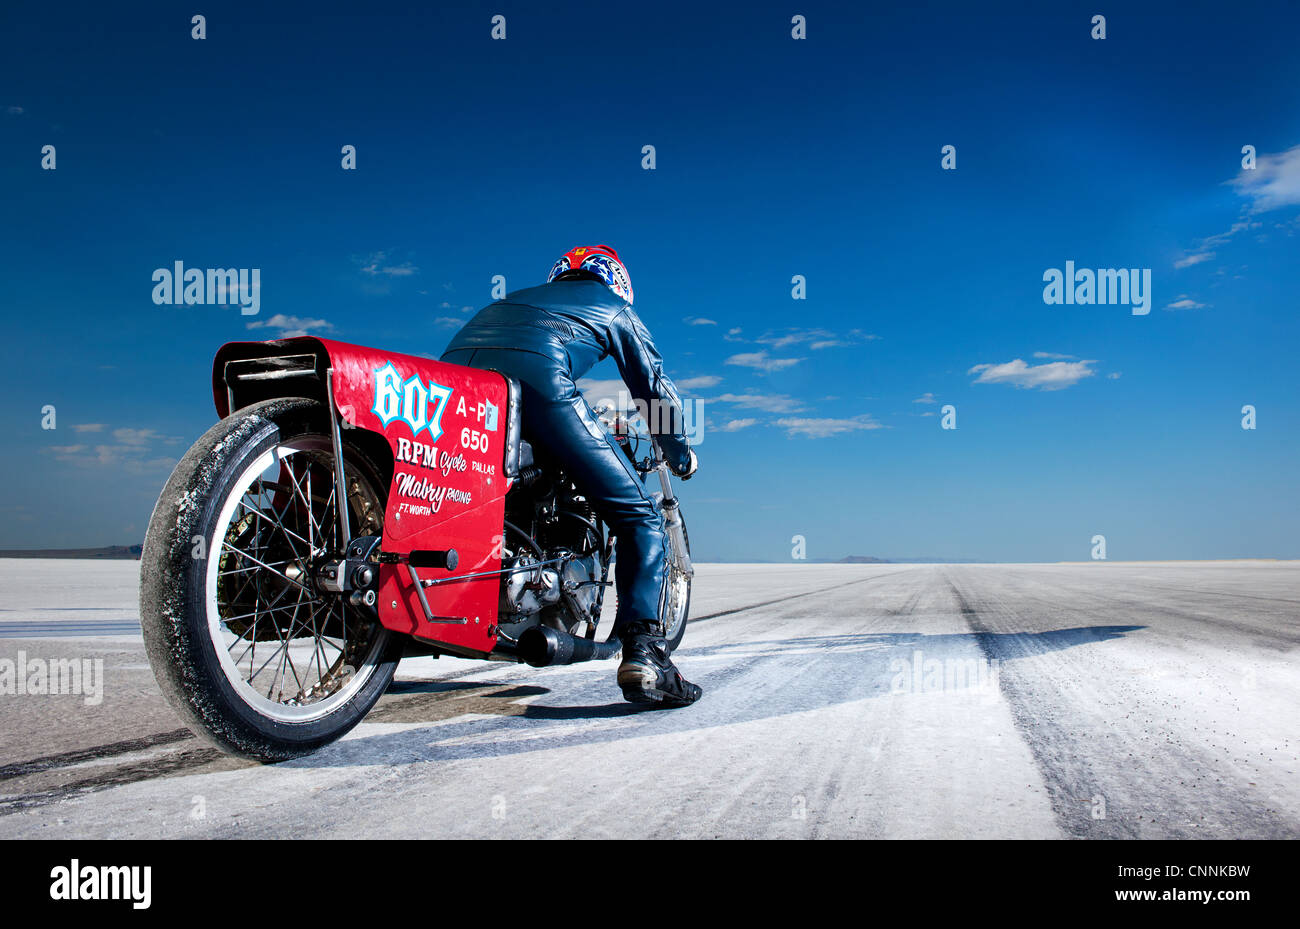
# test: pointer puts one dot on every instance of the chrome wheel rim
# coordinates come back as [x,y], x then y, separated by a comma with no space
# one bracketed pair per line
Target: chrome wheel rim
[290,653]
[678,596]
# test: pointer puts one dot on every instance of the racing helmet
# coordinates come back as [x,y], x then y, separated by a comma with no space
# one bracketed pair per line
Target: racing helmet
[594,262]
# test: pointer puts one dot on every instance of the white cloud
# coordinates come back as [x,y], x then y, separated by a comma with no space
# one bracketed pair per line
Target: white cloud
[1184,302]
[291,326]
[1055,375]
[131,453]
[699,383]
[815,338]
[818,428]
[1274,183]
[793,337]
[762,362]
[1194,259]
[14,110]
[926,397]
[699,321]
[136,436]
[88,427]
[376,264]
[735,425]
[768,403]
[1054,355]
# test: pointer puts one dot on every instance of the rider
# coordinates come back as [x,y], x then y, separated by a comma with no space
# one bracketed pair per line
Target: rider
[547,337]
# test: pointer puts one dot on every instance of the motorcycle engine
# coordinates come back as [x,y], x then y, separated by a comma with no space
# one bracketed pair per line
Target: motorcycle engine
[532,588]
[524,591]
[582,578]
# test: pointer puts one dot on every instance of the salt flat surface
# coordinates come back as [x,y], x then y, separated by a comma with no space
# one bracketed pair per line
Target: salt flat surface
[66,596]
[1091,700]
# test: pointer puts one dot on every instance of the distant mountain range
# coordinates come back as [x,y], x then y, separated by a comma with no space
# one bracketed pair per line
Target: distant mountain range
[107,552]
[872,559]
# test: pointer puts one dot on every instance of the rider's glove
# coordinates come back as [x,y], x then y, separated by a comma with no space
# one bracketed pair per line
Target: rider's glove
[692,465]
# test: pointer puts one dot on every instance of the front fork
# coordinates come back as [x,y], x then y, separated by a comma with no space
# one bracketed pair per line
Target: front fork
[673,524]
[672,516]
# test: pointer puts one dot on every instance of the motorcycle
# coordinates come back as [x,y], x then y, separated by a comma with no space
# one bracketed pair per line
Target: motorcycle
[353,507]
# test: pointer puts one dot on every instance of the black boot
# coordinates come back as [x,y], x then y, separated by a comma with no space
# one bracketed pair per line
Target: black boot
[647,674]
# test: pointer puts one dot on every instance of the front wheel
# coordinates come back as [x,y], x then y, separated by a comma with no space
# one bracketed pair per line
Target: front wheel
[677,594]
[245,647]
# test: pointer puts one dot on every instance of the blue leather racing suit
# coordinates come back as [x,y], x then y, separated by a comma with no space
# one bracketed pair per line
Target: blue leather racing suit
[547,337]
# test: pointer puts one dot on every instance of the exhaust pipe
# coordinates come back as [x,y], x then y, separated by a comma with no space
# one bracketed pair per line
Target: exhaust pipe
[541,646]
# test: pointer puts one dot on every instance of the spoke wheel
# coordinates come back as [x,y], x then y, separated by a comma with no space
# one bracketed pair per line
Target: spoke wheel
[290,651]
[255,656]
[677,597]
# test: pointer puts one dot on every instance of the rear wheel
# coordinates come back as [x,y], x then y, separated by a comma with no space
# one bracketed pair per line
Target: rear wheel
[252,654]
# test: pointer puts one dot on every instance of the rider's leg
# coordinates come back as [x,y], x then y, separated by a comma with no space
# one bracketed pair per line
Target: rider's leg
[571,436]
[603,473]
[562,427]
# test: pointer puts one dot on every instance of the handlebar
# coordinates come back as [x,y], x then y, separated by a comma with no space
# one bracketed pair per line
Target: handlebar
[629,439]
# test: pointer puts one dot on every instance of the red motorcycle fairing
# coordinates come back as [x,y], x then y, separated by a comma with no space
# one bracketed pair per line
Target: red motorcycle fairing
[446,427]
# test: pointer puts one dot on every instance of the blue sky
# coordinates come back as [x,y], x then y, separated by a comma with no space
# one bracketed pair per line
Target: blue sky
[774,157]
